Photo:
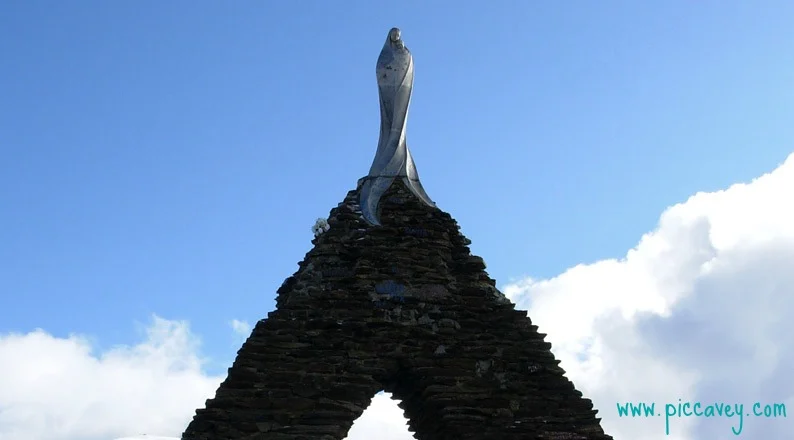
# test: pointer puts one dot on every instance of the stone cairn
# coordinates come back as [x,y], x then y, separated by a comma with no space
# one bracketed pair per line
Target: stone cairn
[390,298]
[403,308]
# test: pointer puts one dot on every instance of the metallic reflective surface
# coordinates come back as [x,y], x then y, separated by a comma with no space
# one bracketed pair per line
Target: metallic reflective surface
[395,74]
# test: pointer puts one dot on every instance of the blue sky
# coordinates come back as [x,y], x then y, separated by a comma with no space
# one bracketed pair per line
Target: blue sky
[171,157]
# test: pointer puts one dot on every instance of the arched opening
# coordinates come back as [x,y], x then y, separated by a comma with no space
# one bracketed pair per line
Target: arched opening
[383,419]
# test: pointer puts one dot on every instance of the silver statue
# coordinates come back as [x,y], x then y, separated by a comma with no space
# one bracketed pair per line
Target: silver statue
[395,72]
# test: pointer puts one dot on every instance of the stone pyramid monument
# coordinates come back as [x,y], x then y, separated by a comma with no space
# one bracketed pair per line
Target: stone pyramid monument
[390,298]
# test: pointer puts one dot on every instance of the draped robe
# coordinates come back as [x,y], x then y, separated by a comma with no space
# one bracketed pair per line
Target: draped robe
[395,74]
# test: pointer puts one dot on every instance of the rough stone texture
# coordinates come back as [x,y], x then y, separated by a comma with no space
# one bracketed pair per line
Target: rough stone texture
[403,308]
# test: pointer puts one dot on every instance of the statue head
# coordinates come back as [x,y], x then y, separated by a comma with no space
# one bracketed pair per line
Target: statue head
[394,40]
[394,35]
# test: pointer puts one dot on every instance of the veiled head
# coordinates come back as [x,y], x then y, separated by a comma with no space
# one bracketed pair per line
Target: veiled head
[394,35]
[394,40]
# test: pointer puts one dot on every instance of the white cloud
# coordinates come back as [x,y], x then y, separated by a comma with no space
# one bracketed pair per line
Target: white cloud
[241,328]
[58,389]
[696,311]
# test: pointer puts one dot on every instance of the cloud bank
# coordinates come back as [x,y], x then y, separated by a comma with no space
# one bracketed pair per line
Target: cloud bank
[697,311]
[59,389]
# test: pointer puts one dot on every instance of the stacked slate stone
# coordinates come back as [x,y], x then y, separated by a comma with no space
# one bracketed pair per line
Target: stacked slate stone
[403,308]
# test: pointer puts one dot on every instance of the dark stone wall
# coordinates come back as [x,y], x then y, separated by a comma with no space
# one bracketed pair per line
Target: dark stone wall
[403,308]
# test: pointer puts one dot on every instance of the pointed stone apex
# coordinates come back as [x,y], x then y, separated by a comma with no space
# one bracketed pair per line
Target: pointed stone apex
[404,308]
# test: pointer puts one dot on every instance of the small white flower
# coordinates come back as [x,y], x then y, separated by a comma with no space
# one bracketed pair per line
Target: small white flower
[320,226]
